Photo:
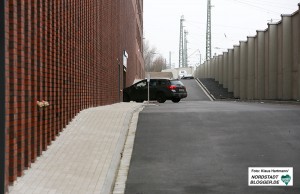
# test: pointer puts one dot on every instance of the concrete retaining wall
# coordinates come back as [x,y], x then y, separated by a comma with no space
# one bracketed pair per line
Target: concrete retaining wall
[265,66]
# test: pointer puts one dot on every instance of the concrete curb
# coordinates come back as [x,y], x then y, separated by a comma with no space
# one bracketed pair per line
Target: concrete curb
[114,166]
[121,178]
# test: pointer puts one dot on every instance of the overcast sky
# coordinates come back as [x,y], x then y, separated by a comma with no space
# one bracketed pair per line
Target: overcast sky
[232,21]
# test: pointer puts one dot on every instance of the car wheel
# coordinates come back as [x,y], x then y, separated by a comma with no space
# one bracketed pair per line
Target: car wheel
[161,98]
[126,98]
[175,100]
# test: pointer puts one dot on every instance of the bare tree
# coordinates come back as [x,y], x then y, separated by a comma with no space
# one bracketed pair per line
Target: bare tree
[154,62]
[149,55]
[159,64]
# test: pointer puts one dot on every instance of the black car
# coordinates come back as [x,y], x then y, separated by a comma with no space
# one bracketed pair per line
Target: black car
[160,90]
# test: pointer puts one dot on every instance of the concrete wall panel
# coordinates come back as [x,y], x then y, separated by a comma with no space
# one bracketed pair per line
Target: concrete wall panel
[256,67]
[295,55]
[279,64]
[250,67]
[199,71]
[203,70]
[230,70]
[287,57]
[206,69]
[273,61]
[260,66]
[236,75]
[215,62]
[298,53]
[243,69]
[217,68]
[266,62]
[220,61]
[209,68]
[225,70]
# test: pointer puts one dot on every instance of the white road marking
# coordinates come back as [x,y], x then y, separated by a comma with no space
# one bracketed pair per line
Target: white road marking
[210,96]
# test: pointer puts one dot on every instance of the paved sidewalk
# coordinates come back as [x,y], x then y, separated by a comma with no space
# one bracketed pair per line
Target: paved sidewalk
[85,157]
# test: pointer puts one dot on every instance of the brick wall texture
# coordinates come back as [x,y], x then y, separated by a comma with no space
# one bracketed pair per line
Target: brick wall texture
[68,53]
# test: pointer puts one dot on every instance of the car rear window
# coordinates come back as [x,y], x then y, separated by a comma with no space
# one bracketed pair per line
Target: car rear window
[152,82]
[176,83]
[162,82]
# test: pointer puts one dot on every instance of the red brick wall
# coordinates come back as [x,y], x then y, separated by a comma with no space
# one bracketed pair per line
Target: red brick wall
[63,52]
[132,38]
[3,74]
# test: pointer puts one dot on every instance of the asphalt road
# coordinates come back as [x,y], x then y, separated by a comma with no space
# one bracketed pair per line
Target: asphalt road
[194,93]
[196,147]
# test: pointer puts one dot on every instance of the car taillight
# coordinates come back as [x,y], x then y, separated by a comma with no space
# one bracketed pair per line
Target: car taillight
[172,87]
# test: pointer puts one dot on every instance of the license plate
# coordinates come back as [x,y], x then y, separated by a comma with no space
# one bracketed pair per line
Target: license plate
[181,90]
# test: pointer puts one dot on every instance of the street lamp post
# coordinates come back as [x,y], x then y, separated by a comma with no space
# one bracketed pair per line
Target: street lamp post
[148,82]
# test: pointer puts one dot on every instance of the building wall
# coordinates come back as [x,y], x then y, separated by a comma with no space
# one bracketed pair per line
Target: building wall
[3,149]
[66,53]
[133,29]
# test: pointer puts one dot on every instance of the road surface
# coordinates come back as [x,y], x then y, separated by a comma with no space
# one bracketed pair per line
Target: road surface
[194,91]
[196,147]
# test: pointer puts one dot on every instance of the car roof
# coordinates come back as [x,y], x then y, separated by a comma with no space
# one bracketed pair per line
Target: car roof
[160,78]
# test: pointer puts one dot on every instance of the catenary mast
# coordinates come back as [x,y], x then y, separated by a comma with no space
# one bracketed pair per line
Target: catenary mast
[181,43]
[185,61]
[208,31]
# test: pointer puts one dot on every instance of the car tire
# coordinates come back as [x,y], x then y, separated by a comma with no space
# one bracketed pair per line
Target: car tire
[161,98]
[126,98]
[175,100]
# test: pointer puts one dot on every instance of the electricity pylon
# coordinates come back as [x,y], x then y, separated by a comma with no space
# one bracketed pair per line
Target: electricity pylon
[208,31]
[185,61]
[181,43]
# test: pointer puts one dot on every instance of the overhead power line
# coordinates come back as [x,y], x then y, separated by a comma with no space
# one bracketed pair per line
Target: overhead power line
[262,4]
[258,7]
